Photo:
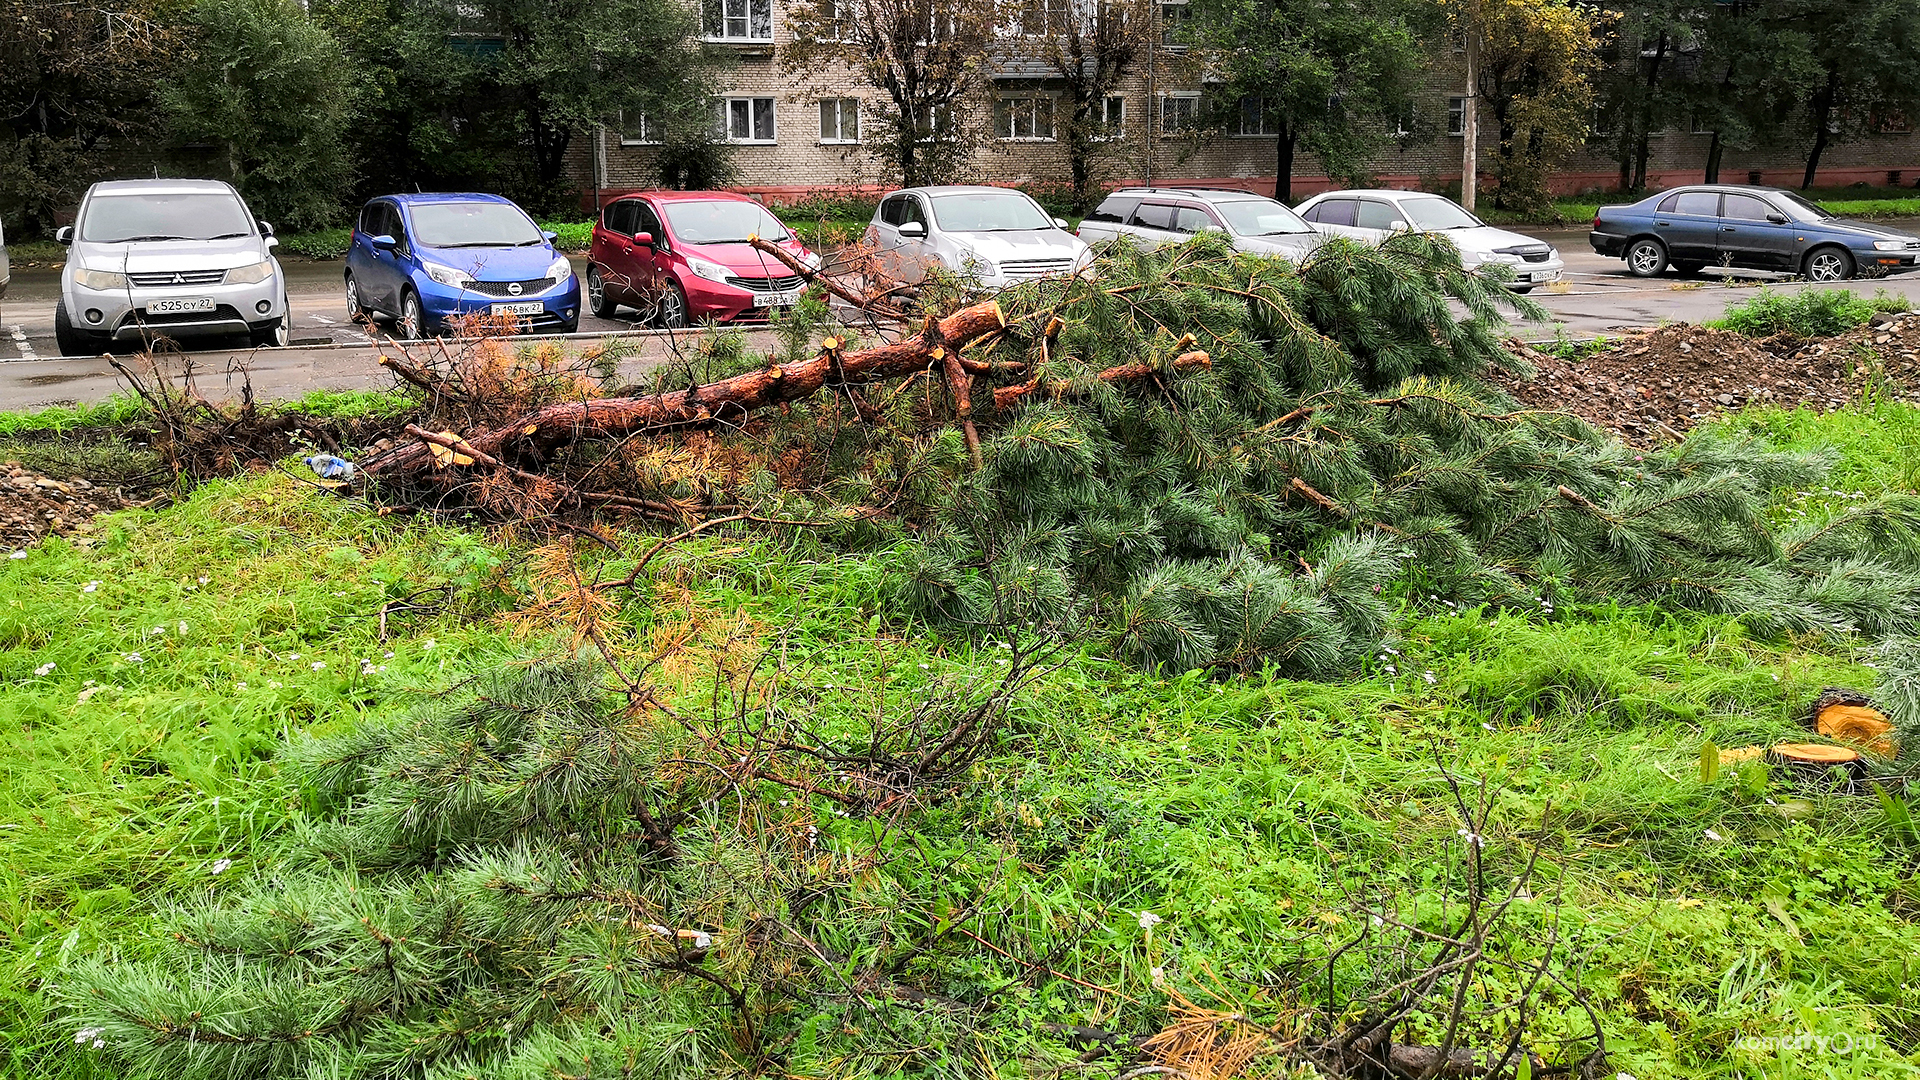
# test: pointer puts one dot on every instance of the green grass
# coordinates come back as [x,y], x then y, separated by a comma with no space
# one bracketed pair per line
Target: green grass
[1248,815]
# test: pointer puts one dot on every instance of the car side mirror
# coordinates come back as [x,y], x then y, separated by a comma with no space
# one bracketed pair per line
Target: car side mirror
[1397,225]
[266,228]
[1777,219]
[385,242]
[64,236]
[551,236]
[1059,223]
[643,239]
[913,230]
[272,241]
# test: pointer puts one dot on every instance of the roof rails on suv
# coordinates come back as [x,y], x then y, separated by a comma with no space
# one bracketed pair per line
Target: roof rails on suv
[1185,189]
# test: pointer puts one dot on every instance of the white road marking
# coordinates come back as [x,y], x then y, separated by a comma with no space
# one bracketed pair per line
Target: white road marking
[19,336]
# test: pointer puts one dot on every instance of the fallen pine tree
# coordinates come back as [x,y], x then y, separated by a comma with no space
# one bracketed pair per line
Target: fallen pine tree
[1227,461]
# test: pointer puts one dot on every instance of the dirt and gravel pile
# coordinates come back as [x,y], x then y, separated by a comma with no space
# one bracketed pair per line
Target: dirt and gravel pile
[33,506]
[1655,386]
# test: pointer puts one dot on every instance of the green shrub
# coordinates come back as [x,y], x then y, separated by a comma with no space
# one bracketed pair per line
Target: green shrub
[1812,313]
[319,244]
[570,235]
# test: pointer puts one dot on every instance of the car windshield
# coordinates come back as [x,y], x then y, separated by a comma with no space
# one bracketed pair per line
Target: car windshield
[200,215]
[977,212]
[473,224]
[1801,209]
[722,221]
[1434,215]
[1260,217]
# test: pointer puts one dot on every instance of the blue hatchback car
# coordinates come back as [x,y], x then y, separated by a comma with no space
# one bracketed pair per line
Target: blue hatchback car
[1753,227]
[424,259]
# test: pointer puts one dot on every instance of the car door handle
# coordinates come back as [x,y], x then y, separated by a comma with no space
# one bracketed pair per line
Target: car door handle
[626,251]
[1663,224]
[1728,228]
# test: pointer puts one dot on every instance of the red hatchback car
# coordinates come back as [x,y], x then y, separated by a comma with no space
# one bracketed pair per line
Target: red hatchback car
[682,256]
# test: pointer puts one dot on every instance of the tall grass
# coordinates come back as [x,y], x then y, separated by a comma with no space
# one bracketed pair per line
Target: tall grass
[1807,313]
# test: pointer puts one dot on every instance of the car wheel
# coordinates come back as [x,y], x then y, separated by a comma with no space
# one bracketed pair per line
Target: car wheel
[597,301]
[670,311]
[72,340]
[1827,264]
[1646,258]
[356,311]
[412,325]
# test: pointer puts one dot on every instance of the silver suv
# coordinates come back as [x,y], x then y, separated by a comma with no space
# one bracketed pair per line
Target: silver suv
[167,258]
[1156,216]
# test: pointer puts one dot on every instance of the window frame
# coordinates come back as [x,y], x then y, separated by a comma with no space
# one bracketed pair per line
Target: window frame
[720,33]
[1167,39]
[1240,119]
[645,138]
[1193,113]
[840,105]
[1008,105]
[1110,127]
[725,116]
[1457,117]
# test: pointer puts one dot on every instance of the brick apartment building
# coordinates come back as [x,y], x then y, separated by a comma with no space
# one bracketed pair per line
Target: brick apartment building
[797,134]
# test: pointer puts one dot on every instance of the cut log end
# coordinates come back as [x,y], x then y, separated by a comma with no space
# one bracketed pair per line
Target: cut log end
[1858,725]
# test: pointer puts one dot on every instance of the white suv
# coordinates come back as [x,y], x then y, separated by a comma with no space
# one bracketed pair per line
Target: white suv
[167,258]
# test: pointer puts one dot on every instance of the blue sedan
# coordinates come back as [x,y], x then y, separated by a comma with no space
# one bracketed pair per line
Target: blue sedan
[1752,227]
[427,259]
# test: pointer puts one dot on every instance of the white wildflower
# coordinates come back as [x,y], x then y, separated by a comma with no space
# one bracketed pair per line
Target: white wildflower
[90,1035]
[219,866]
[44,669]
[90,586]
[388,656]
[134,658]
[183,629]
[204,579]
[1473,838]
[1148,920]
[17,554]
[293,656]
[1428,675]
[240,686]
[319,664]
[1711,835]
[1159,975]
[428,644]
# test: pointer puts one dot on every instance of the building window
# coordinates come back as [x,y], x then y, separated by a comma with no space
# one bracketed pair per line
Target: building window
[1024,119]
[1179,113]
[1174,19]
[831,18]
[937,125]
[744,119]
[840,120]
[738,20]
[1112,116]
[1601,126]
[1456,116]
[1254,118]
[1891,122]
[636,131]
[1700,125]
[1039,18]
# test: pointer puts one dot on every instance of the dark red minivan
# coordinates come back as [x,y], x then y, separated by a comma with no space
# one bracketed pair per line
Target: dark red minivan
[683,256]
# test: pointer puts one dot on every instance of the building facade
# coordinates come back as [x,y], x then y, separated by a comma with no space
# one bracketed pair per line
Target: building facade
[796,135]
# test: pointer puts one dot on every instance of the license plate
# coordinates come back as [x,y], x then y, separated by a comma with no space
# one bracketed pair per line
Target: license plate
[1547,275]
[777,299]
[533,307]
[180,304]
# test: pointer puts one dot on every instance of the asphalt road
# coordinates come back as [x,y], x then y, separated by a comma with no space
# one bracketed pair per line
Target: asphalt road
[328,352]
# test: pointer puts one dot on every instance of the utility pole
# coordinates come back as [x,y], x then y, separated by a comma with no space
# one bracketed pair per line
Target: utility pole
[1470,110]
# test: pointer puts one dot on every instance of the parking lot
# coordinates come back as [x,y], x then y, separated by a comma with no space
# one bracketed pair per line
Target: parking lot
[1597,298]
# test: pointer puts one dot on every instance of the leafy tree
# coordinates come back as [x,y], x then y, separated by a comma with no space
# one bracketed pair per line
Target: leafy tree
[930,58]
[273,91]
[1536,60]
[1859,57]
[1327,75]
[1088,50]
[1651,48]
[74,78]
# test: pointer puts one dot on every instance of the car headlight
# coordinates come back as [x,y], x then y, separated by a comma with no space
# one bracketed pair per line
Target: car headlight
[561,269]
[1502,257]
[1889,245]
[251,275]
[712,271]
[811,260]
[984,267]
[98,279]
[445,275]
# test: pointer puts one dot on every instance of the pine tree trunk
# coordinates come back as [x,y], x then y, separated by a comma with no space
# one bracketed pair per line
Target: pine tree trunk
[934,347]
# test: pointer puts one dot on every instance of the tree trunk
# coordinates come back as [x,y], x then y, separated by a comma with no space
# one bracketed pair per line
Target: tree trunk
[1642,148]
[1713,160]
[1822,122]
[1283,163]
[935,347]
